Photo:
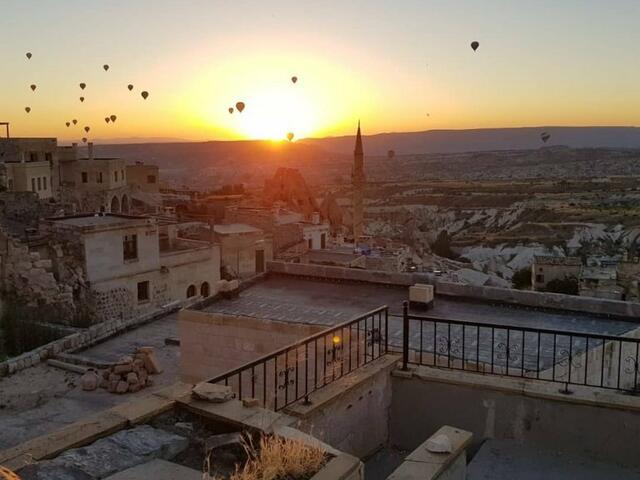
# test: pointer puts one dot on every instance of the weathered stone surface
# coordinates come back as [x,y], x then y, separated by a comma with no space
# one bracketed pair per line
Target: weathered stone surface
[158,470]
[212,392]
[132,378]
[122,387]
[89,381]
[46,471]
[151,363]
[150,442]
[439,444]
[222,440]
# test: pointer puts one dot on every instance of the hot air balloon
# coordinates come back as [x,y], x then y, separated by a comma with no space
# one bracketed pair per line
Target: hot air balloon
[84,139]
[83,85]
[74,121]
[86,129]
[240,106]
[230,109]
[107,119]
[106,67]
[27,109]
[29,55]
[113,118]
[391,154]
[68,124]
[144,94]
[290,136]
[475,45]
[130,87]
[82,99]
[545,137]
[33,88]
[294,79]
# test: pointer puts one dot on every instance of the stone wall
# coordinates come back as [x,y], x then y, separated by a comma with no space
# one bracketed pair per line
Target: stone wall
[555,301]
[213,343]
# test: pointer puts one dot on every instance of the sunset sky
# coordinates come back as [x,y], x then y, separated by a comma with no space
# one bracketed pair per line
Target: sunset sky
[389,63]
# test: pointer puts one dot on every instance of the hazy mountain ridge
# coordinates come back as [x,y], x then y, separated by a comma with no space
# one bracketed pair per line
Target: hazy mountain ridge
[486,139]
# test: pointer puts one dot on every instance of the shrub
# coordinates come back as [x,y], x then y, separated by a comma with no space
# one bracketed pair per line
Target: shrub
[522,278]
[275,458]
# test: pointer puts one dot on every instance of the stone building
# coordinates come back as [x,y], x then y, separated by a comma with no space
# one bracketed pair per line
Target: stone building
[29,165]
[547,268]
[244,250]
[134,265]
[142,177]
[289,189]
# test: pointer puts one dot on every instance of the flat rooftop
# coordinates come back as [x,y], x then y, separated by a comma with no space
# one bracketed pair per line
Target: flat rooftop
[235,228]
[98,220]
[295,299]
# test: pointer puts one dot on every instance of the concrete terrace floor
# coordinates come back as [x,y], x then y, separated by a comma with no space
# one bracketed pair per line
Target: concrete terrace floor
[507,460]
[42,399]
[294,299]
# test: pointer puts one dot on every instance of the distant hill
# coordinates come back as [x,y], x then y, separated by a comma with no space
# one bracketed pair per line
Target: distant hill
[487,139]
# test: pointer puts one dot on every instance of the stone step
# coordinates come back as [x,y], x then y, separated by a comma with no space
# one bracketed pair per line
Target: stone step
[157,470]
[70,367]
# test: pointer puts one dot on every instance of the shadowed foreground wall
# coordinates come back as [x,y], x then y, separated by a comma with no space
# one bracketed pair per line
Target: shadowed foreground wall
[212,343]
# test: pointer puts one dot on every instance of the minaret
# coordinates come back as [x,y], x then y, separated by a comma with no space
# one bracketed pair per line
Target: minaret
[358,181]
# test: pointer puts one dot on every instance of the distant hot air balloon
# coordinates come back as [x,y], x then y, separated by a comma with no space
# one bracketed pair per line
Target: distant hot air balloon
[130,87]
[74,121]
[294,79]
[33,87]
[83,85]
[107,119]
[545,137]
[290,136]
[113,118]
[27,109]
[230,109]
[144,94]
[68,124]
[86,129]
[106,67]
[29,55]
[82,99]
[240,106]
[391,154]
[84,139]
[475,45]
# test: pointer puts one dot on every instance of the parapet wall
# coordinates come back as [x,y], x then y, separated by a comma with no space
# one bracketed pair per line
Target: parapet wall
[556,301]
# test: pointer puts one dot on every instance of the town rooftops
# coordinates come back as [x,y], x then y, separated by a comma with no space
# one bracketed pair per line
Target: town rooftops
[551,260]
[235,229]
[100,221]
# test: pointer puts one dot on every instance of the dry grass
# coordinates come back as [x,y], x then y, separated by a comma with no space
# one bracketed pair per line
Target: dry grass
[275,458]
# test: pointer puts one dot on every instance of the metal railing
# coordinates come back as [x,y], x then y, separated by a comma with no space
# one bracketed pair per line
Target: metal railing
[566,357]
[294,372]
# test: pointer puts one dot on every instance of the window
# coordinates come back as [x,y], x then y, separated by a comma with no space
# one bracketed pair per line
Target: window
[310,243]
[539,278]
[191,291]
[323,241]
[48,157]
[85,177]
[151,179]
[44,183]
[33,157]
[122,175]
[10,184]
[204,290]
[115,176]
[99,177]
[143,291]
[130,247]
[39,184]
[33,184]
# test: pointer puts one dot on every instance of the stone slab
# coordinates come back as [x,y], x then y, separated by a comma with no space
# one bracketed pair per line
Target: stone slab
[157,470]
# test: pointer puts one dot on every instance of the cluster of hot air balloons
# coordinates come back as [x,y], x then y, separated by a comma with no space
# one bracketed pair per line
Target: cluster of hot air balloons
[108,119]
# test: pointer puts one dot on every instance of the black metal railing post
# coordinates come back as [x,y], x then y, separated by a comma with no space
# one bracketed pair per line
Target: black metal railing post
[405,336]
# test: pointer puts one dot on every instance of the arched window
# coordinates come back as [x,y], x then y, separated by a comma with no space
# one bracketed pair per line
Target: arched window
[115,205]
[125,204]
[204,290]
[191,291]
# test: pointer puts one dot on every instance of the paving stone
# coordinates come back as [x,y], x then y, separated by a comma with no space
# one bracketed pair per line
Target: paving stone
[158,470]
[150,442]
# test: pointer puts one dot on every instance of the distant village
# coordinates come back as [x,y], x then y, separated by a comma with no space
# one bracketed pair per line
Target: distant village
[88,239]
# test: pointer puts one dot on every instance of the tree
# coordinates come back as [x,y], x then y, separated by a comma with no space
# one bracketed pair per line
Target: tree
[566,285]
[442,245]
[522,278]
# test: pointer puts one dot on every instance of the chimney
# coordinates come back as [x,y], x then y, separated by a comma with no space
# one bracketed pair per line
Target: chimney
[90,156]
